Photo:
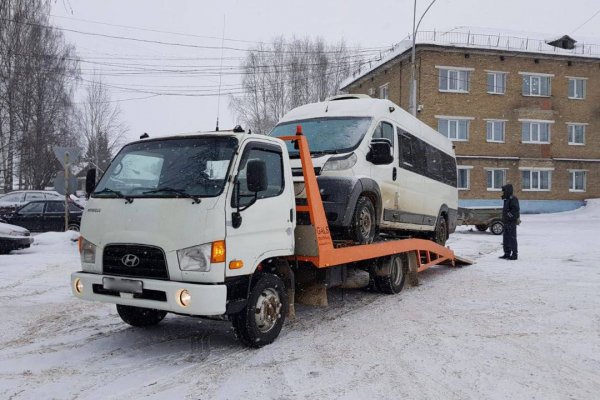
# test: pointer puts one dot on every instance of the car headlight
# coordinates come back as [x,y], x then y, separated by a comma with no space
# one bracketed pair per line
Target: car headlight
[15,233]
[87,251]
[340,163]
[196,258]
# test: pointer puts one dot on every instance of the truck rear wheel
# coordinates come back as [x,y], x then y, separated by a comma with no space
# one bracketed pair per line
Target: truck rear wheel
[393,280]
[260,322]
[137,316]
[364,221]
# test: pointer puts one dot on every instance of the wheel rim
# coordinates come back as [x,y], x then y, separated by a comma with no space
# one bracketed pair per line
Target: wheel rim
[365,222]
[497,228]
[397,271]
[267,310]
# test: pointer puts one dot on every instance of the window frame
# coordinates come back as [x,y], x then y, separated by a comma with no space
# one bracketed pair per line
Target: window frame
[260,146]
[492,122]
[572,175]
[384,88]
[446,71]
[468,169]
[530,76]
[538,171]
[575,125]
[493,188]
[457,121]
[575,79]
[495,74]
[538,123]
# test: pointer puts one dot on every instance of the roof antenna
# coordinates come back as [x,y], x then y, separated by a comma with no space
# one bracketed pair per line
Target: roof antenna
[220,74]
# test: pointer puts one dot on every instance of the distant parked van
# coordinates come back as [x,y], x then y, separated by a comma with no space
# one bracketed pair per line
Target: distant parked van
[379,168]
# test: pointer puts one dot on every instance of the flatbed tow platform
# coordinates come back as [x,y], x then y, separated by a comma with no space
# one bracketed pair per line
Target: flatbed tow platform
[387,261]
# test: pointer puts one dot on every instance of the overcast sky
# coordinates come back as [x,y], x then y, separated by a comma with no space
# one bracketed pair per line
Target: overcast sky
[127,65]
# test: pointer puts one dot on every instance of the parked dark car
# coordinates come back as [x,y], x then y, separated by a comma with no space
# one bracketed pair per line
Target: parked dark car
[45,216]
[13,238]
[9,202]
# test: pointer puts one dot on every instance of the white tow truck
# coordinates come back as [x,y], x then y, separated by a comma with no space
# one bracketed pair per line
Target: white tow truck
[205,224]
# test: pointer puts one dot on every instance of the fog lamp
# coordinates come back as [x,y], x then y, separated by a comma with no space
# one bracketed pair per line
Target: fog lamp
[184,298]
[78,285]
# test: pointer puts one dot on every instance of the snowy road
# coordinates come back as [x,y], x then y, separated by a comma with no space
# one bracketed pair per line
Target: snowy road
[499,329]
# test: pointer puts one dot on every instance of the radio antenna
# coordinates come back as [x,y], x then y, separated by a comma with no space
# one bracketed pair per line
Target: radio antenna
[220,74]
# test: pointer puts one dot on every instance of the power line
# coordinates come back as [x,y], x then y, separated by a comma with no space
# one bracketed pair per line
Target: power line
[586,21]
[164,43]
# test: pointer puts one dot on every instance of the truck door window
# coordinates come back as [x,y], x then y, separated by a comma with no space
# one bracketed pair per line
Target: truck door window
[274,163]
[384,131]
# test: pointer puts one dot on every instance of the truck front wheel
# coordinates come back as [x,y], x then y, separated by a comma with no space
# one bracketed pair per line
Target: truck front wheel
[260,322]
[137,316]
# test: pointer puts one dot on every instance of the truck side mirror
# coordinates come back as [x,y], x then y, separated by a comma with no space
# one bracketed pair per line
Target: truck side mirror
[381,152]
[257,179]
[90,181]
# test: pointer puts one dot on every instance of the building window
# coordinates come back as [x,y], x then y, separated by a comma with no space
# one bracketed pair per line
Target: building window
[535,132]
[496,82]
[464,178]
[577,88]
[454,80]
[383,91]
[576,134]
[577,180]
[536,180]
[454,129]
[496,178]
[495,131]
[537,85]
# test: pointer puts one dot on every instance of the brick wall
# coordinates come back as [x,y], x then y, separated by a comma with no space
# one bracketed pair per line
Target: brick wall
[512,106]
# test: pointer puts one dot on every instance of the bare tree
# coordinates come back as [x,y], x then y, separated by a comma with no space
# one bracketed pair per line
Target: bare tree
[285,74]
[37,78]
[100,125]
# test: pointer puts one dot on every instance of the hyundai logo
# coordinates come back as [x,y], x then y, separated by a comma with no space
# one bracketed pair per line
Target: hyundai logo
[130,260]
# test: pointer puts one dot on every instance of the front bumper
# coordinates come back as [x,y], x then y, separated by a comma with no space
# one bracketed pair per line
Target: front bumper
[16,243]
[206,299]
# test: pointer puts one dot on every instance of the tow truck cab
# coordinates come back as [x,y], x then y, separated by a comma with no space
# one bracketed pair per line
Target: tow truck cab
[179,224]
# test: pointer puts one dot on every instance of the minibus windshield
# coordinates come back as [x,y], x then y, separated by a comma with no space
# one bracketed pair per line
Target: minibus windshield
[326,135]
[181,167]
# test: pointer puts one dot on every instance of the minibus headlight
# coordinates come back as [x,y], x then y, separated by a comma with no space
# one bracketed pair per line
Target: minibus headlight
[196,258]
[340,163]
[87,251]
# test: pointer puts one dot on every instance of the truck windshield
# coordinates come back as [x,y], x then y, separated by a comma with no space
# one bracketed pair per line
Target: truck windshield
[169,168]
[326,135]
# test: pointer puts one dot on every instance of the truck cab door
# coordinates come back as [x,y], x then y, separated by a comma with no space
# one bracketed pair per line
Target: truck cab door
[259,224]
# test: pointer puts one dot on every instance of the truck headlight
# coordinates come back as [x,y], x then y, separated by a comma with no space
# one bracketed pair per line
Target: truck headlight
[340,163]
[87,251]
[196,258]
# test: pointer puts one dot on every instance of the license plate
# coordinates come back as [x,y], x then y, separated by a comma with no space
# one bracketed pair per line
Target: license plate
[123,285]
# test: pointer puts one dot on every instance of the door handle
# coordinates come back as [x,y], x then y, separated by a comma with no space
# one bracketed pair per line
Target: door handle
[394,174]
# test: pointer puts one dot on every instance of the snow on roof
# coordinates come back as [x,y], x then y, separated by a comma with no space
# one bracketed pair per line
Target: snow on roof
[482,38]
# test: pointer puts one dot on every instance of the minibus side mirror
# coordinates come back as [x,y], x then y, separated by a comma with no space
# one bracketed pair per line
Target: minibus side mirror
[90,181]
[381,152]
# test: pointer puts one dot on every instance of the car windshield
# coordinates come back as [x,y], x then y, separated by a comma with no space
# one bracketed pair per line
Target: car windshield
[326,135]
[169,168]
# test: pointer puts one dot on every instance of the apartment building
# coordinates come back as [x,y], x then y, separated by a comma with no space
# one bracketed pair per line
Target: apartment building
[520,109]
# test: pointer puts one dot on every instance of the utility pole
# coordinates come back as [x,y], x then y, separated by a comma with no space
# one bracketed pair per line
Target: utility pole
[412,101]
[67,167]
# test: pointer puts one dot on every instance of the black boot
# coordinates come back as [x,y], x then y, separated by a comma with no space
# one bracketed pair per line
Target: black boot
[505,256]
[513,256]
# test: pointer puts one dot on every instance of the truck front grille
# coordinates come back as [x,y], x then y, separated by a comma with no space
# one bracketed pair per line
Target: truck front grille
[135,261]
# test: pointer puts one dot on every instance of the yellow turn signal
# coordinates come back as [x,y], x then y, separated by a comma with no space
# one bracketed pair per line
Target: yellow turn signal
[217,254]
[236,264]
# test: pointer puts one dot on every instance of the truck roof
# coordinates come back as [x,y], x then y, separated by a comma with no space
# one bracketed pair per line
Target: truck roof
[240,136]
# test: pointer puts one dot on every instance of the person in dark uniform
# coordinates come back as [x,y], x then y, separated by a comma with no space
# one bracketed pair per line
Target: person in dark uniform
[510,218]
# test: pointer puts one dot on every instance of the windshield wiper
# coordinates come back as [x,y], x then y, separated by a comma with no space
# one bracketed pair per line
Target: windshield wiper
[180,192]
[116,193]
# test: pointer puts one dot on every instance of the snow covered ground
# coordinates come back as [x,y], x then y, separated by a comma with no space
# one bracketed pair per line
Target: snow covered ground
[526,329]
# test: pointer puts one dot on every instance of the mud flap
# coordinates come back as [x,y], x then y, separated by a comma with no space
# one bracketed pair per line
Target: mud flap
[313,294]
[284,270]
